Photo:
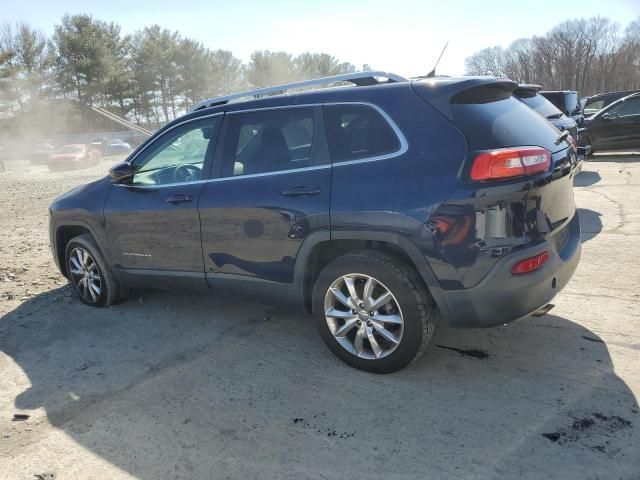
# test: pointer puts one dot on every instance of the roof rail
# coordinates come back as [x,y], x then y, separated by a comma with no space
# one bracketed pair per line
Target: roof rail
[357,78]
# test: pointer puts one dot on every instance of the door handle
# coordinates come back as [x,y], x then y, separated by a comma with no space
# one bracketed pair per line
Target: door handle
[301,191]
[179,199]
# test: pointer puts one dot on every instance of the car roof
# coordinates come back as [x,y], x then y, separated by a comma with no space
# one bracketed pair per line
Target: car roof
[622,93]
[430,87]
[350,93]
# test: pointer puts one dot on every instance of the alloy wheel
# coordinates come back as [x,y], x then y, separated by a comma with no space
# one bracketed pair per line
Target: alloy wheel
[85,274]
[363,316]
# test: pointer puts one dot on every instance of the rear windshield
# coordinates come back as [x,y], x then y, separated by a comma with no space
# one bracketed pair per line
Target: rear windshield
[506,122]
[70,149]
[565,101]
[541,105]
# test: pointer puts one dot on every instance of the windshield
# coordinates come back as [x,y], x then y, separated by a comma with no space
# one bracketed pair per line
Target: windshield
[541,105]
[70,149]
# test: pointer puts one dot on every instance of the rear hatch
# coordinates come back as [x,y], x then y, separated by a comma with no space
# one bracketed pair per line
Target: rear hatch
[509,213]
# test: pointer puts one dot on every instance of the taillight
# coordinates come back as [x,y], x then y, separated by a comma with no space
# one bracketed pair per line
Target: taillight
[529,265]
[510,162]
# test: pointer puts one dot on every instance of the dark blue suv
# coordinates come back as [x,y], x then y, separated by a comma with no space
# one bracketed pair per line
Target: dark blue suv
[376,207]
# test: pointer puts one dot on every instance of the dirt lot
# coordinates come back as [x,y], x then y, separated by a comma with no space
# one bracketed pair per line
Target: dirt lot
[176,386]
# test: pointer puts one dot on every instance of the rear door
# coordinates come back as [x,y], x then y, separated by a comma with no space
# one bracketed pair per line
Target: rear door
[271,192]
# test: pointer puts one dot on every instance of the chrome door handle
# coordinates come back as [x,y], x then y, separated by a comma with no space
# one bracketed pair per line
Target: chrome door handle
[179,199]
[301,191]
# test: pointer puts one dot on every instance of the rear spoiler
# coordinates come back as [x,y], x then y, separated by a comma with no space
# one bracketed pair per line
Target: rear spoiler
[474,90]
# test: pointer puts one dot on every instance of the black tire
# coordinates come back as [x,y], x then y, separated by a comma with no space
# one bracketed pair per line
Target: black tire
[111,292]
[588,142]
[415,303]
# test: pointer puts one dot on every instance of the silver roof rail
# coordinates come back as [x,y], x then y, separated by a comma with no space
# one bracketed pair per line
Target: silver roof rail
[357,78]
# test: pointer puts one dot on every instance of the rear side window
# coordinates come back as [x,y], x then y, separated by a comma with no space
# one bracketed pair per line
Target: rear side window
[358,131]
[268,141]
[506,122]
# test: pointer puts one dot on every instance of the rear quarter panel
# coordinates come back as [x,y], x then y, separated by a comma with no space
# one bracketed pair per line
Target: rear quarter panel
[400,193]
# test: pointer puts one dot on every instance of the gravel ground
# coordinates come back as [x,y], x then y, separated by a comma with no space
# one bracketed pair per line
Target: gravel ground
[171,385]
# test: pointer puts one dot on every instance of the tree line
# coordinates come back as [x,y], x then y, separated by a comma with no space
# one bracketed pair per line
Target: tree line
[588,55]
[150,76]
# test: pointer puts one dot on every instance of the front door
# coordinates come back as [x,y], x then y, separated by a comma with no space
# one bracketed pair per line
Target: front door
[272,192]
[152,222]
[619,127]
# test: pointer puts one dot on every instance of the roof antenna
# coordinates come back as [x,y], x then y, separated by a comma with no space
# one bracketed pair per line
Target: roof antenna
[432,73]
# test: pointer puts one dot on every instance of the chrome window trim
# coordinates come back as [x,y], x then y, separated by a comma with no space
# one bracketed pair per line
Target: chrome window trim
[404,145]
[225,179]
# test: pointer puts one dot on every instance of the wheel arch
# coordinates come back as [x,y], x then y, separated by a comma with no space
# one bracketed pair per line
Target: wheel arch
[62,236]
[319,250]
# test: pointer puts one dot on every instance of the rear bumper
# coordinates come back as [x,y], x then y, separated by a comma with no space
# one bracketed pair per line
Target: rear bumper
[502,297]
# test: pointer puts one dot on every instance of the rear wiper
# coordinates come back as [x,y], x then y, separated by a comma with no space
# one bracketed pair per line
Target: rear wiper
[562,137]
[554,116]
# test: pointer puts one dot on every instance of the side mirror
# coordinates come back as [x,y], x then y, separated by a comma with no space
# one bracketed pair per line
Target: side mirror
[609,116]
[121,172]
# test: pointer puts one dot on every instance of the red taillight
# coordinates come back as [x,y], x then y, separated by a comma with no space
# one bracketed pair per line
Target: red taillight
[510,162]
[529,265]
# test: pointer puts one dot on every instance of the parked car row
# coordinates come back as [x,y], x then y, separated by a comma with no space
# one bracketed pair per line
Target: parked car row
[76,155]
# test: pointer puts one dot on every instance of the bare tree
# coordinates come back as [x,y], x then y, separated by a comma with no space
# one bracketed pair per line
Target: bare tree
[588,55]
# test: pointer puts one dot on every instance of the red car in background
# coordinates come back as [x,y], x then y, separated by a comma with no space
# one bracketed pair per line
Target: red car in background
[74,156]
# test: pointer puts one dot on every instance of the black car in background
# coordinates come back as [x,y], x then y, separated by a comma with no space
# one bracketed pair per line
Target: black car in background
[616,127]
[593,104]
[530,95]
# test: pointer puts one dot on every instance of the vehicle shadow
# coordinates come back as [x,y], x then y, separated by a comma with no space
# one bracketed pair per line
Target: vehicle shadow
[586,179]
[590,224]
[182,386]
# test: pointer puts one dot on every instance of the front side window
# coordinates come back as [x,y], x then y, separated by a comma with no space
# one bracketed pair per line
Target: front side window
[630,107]
[268,141]
[177,156]
[357,132]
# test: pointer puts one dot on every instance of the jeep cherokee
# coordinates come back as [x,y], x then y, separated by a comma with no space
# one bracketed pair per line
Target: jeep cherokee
[376,207]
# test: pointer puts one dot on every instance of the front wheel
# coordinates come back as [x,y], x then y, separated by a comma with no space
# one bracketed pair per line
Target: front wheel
[89,275]
[372,311]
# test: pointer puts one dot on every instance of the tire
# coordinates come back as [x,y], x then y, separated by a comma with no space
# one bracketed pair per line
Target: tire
[109,291]
[409,300]
[588,142]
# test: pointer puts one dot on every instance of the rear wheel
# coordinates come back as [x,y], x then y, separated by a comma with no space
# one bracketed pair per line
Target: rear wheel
[89,275]
[372,311]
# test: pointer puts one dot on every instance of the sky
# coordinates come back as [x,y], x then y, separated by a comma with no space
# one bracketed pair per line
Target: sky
[403,37]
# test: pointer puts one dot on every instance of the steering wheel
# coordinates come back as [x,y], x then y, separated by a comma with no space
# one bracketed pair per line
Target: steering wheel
[187,173]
